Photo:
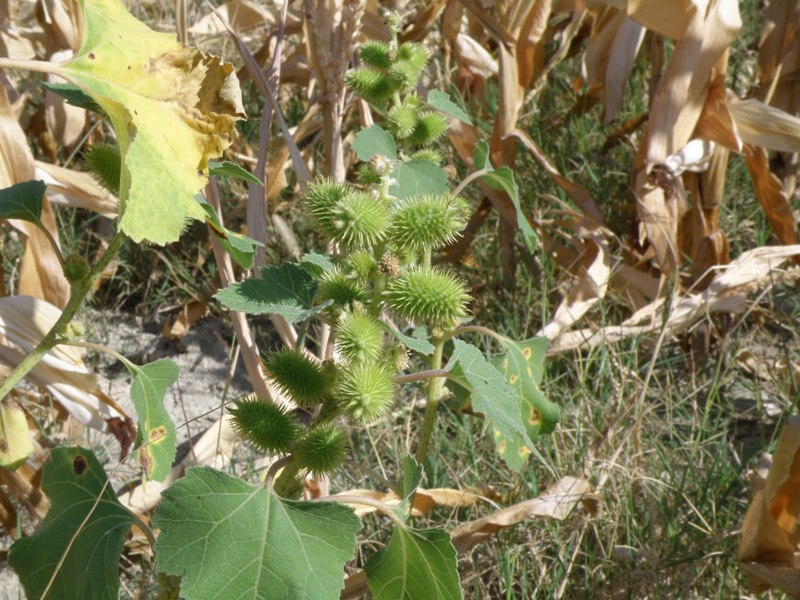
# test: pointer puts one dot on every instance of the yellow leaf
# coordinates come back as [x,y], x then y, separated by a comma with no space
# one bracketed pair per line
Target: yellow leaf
[15,441]
[172,107]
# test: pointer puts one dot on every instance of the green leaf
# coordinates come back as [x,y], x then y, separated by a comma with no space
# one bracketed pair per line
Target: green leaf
[15,440]
[155,434]
[481,155]
[374,141]
[229,539]
[418,177]
[523,367]
[227,168]
[417,344]
[316,264]
[287,290]
[173,108]
[412,477]
[23,201]
[492,396]
[88,534]
[503,179]
[74,96]
[241,248]
[442,102]
[415,564]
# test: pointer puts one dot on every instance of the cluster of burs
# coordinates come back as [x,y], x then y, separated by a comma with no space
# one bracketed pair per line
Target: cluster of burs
[382,268]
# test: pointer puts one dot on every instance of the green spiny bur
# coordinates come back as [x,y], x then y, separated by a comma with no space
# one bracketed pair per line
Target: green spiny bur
[430,126]
[428,154]
[361,221]
[363,264]
[427,222]
[321,200]
[428,295]
[322,450]
[403,120]
[297,376]
[372,86]
[365,390]
[375,54]
[342,290]
[267,426]
[105,163]
[359,337]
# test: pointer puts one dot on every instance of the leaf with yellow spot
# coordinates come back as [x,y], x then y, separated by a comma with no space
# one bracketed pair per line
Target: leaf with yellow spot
[172,107]
[155,435]
[15,441]
[523,367]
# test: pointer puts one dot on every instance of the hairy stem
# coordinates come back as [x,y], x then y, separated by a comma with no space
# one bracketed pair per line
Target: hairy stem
[435,388]
[38,66]
[52,338]
[53,244]
[421,376]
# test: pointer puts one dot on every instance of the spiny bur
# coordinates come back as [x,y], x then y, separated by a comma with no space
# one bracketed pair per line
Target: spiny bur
[343,291]
[359,337]
[430,126]
[375,54]
[267,426]
[373,86]
[322,449]
[363,264]
[297,376]
[428,295]
[365,391]
[321,199]
[360,221]
[428,222]
[105,163]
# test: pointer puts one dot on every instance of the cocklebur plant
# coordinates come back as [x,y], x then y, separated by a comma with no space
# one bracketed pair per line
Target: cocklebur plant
[388,310]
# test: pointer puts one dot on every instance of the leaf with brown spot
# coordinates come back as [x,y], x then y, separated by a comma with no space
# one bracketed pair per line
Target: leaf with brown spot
[155,438]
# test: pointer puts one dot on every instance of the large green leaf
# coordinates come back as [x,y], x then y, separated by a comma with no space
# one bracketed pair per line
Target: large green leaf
[374,141]
[155,435]
[23,201]
[172,108]
[416,564]
[232,540]
[418,177]
[287,290]
[492,396]
[86,532]
[503,179]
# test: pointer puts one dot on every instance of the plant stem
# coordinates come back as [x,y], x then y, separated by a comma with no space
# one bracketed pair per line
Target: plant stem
[53,244]
[469,179]
[435,387]
[38,66]
[52,338]
[421,376]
